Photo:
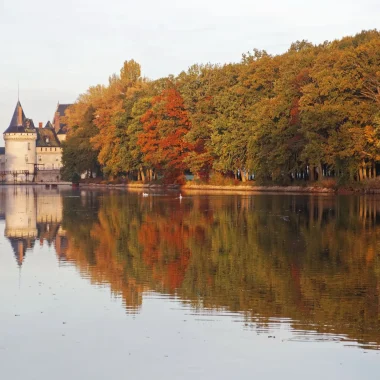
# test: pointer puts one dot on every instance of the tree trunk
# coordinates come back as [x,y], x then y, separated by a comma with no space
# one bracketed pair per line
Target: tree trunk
[142,174]
[360,174]
[320,175]
[364,168]
[311,173]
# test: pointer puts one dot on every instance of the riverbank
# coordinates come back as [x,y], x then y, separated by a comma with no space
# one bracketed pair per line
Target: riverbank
[236,189]
[213,188]
[269,189]
[44,184]
[190,187]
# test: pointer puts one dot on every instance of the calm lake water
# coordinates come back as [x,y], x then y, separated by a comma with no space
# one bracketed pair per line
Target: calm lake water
[112,285]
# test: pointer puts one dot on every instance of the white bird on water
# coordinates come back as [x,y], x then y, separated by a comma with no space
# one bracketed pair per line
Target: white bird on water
[180,196]
[145,194]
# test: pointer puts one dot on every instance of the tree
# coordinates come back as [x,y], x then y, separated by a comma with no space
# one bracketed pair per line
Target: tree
[112,117]
[162,141]
[78,155]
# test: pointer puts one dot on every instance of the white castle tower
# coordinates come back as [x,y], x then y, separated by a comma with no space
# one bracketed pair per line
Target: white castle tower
[20,147]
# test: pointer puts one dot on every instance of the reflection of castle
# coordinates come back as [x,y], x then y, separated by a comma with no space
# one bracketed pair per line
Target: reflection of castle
[31,215]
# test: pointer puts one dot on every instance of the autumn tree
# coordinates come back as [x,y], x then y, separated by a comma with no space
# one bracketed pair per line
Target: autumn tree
[197,87]
[162,141]
[112,115]
[79,157]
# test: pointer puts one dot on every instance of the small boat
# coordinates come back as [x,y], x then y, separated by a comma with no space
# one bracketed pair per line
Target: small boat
[145,194]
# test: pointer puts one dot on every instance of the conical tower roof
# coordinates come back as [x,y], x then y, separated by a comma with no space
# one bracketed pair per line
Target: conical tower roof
[19,123]
[49,125]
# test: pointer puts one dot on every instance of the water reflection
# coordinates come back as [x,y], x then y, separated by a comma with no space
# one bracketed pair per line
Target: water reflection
[309,262]
[31,216]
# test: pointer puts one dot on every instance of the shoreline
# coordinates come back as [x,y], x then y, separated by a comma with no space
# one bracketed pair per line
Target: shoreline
[232,189]
[36,183]
[228,189]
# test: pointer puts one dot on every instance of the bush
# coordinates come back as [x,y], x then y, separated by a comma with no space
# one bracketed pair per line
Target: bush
[75,178]
[218,179]
[373,183]
[329,183]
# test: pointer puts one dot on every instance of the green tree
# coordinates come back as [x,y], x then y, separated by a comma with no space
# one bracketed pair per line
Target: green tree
[78,155]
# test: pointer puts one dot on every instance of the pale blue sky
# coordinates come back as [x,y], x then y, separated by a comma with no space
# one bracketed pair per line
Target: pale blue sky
[57,49]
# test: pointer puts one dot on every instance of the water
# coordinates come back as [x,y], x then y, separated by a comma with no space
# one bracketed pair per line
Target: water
[110,285]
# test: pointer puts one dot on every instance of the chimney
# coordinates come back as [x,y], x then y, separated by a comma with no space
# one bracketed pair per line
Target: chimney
[56,121]
[40,125]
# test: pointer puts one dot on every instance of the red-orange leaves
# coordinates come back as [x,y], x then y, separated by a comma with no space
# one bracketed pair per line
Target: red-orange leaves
[162,141]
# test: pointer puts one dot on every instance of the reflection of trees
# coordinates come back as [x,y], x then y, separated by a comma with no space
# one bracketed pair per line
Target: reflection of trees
[312,259]
[102,241]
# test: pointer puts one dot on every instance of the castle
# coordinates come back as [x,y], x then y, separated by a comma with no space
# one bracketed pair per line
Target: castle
[32,154]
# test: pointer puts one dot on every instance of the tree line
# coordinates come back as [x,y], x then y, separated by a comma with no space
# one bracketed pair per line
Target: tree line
[310,113]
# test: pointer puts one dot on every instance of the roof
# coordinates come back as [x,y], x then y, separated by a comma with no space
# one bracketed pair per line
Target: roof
[49,125]
[46,137]
[2,150]
[19,123]
[62,108]
[60,112]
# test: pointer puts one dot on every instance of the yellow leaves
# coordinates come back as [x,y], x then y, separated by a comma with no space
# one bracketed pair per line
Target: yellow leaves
[130,73]
[369,133]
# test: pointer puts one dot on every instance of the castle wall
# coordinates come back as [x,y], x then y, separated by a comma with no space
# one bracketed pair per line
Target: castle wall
[2,162]
[48,176]
[61,137]
[49,158]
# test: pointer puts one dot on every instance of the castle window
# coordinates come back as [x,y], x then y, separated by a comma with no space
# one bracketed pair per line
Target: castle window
[28,145]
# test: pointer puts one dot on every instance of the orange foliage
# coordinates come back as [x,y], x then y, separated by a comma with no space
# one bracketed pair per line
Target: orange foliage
[162,140]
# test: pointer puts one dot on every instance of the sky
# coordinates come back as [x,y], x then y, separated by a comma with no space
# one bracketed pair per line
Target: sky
[54,50]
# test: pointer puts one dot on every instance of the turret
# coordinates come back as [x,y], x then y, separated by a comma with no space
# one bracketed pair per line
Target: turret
[20,147]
